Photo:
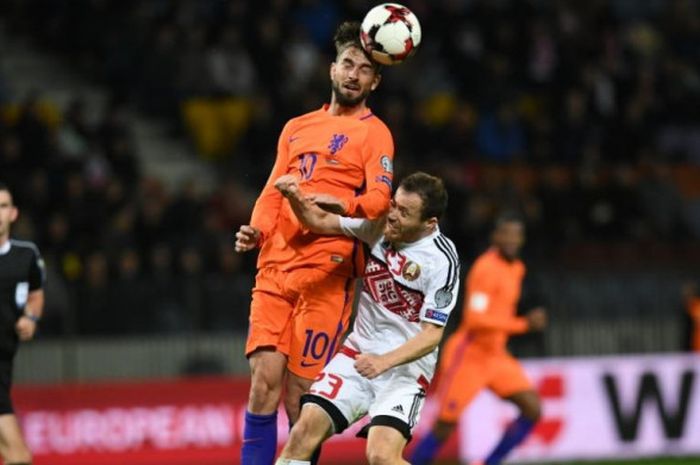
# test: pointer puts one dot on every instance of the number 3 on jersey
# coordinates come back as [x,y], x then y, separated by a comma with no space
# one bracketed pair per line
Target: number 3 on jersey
[333,382]
[307,163]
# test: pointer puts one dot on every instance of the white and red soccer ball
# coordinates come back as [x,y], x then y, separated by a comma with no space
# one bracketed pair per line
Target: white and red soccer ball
[390,33]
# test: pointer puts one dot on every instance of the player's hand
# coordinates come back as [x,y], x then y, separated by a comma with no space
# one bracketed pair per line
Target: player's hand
[370,365]
[247,238]
[536,319]
[328,203]
[25,328]
[287,185]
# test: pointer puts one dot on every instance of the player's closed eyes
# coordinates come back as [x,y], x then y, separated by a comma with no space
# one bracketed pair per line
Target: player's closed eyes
[365,69]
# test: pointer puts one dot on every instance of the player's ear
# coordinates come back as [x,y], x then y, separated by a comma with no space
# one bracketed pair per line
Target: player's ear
[375,82]
[431,224]
[332,70]
[14,213]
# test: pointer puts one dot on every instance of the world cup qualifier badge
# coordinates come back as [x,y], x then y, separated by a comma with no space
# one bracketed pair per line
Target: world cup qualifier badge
[387,165]
[410,271]
[443,297]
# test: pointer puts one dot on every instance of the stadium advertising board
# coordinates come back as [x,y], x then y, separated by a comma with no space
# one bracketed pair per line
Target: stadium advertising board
[592,408]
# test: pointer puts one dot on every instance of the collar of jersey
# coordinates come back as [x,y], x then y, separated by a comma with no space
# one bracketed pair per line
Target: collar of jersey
[5,248]
[326,106]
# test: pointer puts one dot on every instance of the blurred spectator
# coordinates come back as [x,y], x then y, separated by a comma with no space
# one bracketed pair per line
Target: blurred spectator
[93,297]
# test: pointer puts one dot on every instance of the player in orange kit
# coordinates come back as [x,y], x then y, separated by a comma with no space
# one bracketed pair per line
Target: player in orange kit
[475,356]
[692,303]
[301,305]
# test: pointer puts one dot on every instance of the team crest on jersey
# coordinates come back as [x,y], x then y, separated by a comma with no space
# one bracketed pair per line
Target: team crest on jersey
[337,142]
[387,165]
[410,271]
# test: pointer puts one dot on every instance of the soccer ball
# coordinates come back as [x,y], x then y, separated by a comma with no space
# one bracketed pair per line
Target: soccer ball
[390,33]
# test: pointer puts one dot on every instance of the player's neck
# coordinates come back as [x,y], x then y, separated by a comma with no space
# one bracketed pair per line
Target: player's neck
[336,109]
[505,257]
[4,239]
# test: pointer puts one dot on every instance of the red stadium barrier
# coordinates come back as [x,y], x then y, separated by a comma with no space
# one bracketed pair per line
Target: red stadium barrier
[184,422]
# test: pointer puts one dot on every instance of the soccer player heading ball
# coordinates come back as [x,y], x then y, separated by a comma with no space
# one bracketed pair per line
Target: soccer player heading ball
[301,304]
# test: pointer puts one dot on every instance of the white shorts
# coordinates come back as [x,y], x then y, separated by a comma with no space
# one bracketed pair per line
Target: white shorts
[392,399]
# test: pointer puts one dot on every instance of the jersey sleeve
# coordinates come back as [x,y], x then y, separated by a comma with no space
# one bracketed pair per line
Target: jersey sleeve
[368,231]
[478,305]
[378,157]
[37,272]
[441,294]
[267,207]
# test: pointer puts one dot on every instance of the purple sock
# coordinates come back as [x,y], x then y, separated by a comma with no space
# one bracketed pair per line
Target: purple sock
[259,439]
[513,435]
[426,450]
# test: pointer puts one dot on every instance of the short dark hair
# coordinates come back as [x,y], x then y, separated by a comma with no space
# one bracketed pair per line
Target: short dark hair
[508,216]
[348,35]
[6,188]
[431,190]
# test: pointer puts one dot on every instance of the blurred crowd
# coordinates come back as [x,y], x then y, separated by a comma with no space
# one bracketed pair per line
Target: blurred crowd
[584,116]
[123,253]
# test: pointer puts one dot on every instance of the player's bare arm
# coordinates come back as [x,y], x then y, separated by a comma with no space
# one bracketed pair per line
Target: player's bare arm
[371,365]
[247,238]
[329,203]
[26,324]
[311,216]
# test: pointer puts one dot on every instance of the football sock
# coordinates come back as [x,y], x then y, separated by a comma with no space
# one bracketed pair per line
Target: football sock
[259,439]
[513,435]
[426,450]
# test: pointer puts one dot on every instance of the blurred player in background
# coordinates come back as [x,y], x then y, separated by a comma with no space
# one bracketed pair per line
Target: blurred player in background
[475,356]
[304,287]
[691,298]
[386,363]
[22,277]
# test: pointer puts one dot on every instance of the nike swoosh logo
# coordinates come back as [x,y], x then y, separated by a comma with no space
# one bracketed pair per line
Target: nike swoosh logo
[292,139]
[306,365]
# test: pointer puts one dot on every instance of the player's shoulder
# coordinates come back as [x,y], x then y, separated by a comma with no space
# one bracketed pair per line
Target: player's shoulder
[443,252]
[376,127]
[305,118]
[487,260]
[27,246]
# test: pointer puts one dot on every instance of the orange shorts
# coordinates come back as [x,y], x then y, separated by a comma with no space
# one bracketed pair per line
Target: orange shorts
[302,313]
[466,369]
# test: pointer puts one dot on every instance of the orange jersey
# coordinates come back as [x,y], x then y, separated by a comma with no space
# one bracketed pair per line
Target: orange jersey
[694,312]
[350,158]
[492,292]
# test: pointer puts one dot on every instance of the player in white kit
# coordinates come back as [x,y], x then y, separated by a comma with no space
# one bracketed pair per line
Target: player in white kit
[387,362]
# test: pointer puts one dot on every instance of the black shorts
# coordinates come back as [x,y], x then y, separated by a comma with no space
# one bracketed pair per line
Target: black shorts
[5,385]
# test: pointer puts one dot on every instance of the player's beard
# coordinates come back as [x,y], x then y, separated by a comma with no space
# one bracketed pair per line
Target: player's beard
[345,101]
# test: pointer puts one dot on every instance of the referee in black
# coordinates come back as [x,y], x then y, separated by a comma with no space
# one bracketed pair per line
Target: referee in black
[22,278]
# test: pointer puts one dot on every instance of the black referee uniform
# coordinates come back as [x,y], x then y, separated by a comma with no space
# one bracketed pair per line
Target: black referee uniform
[21,272]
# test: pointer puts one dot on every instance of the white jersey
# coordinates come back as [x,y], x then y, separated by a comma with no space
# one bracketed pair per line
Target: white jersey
[404,285]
